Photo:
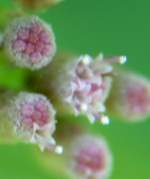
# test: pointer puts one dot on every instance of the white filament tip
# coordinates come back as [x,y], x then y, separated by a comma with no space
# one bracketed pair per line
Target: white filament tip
[105,120]
[86,59]
[59,149]
[123,59]
[84,107]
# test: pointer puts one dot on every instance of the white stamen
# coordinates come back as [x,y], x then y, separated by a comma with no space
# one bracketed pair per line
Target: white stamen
[59,149]
[123,59]
[86,59]
[105,120]
[117,59]
[84,107]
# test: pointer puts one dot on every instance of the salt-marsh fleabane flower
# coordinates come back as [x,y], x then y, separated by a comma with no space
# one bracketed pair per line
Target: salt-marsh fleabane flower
[38,4]
[130,97]
[90,157]
[30,42]
[82,84]
[33,118]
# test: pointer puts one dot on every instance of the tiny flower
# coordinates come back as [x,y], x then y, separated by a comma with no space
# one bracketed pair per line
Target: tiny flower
[33,118]
[30,42]
[87,89]
[90,158]
[83,84]
[38,4]
[130,97]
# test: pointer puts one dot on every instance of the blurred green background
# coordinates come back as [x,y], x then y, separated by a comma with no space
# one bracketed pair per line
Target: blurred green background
[113,27]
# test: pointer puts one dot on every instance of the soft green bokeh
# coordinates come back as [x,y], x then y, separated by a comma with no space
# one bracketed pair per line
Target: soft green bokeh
[91,26]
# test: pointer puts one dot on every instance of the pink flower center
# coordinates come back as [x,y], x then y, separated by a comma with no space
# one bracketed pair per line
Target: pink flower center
[36,112]
[90,159]
[33,41]
[138,99]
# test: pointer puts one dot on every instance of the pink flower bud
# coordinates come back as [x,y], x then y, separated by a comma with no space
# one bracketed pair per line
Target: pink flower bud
[33,119]
[90,158]
[130,98]
[30,42]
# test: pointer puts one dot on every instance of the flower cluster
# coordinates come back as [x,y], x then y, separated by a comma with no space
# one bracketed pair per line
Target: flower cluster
[82,85]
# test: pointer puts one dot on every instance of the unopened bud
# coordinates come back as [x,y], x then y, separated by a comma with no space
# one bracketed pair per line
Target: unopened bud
[130,97]
[90,157]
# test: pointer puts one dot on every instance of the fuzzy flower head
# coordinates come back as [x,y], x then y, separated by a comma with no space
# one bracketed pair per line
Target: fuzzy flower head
[89,87]
[132,96]
[30,42]
[91,158]
[33,119]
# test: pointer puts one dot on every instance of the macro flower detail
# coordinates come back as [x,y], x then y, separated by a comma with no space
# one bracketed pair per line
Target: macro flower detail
[72,96]
[130,98]
[87,89]
[30,42]
[81,84]
[90,158]
[33,118]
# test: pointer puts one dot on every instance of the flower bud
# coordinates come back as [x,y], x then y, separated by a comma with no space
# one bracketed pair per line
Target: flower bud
[90,158]
[30,42]
[33,119]
[130,97]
